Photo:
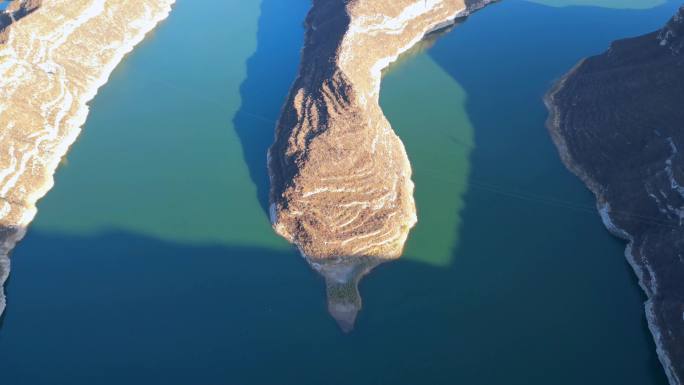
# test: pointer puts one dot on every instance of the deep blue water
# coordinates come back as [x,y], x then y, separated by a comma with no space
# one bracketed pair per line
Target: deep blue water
[152,262]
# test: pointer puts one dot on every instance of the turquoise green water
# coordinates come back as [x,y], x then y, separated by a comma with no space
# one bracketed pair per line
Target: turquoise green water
[170,125]
[152,260]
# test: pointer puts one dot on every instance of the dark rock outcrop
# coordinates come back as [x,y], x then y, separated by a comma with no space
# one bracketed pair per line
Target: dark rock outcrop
[618,122]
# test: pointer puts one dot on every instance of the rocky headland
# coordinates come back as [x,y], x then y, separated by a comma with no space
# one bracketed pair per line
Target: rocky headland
[341,186]
[54,55]
[618,122]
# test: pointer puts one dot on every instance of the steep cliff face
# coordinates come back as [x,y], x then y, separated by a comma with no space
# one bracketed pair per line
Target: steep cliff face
[341,186]
[618,121]
[54,55]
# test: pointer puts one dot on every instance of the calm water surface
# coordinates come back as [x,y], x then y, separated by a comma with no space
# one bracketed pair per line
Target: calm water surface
[152,261]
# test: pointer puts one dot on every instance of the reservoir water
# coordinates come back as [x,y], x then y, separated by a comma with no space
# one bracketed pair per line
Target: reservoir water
[152,261]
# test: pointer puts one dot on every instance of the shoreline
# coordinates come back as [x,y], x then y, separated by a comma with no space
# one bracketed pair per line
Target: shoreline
[17,214]
[553,124]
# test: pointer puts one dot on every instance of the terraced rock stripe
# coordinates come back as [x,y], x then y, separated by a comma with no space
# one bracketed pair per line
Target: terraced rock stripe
[54,55]
[618,122]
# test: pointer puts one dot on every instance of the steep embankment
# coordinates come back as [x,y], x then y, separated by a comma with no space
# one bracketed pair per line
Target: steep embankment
[341,186]
[54,55]
[618,122]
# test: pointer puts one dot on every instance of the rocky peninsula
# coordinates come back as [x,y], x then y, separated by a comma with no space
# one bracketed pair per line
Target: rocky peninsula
[618,122]
[54,55]
[341,186]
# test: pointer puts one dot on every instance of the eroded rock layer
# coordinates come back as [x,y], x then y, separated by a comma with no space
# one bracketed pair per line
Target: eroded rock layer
[618,121]
[340,178]
[341,186]
[54,55]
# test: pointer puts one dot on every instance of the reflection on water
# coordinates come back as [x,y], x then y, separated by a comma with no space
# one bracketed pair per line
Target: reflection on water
[342,276]
[270,72]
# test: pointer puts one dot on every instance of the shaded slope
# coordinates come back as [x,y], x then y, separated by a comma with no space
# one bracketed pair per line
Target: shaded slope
[618,122]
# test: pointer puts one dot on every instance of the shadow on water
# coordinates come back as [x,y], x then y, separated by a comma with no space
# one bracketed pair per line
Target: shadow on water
[124,308]
[270,72]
